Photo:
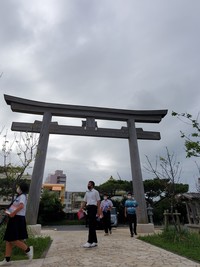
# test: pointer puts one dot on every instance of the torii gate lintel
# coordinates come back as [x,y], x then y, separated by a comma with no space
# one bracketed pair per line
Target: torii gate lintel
[84,130]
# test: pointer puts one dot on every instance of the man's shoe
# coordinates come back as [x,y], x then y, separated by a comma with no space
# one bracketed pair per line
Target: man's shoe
[135,233]
[5,263]
[87,245]
[30,253]
[94,245]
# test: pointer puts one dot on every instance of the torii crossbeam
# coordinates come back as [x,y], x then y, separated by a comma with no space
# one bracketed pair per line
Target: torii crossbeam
[89,127]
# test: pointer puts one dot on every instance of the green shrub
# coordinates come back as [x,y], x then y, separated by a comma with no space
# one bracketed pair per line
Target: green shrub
[50,208]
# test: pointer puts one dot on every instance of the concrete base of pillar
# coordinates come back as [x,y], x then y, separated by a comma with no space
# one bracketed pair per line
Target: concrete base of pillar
[145,228]
[34,229]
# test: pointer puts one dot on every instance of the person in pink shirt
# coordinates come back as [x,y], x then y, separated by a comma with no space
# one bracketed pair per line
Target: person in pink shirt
[106,206]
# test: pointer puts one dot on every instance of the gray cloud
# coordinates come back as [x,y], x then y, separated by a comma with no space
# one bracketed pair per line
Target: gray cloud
[129,55]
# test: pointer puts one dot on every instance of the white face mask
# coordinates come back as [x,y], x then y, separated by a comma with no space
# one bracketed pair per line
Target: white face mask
[105,198]
[19,191]
[129,197]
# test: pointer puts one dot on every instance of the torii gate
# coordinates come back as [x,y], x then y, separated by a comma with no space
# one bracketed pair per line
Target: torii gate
[89,128]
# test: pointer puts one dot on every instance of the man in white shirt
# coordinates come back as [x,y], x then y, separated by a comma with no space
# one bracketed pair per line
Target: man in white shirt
[92,202]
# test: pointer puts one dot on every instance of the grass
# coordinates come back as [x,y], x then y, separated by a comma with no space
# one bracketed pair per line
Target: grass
[41,245]
[183,243]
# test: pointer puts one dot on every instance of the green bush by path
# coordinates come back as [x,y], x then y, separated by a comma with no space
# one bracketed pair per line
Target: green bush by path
[183,243]
[50,207]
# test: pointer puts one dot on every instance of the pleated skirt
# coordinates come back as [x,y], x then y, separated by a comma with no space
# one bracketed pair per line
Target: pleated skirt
[16,229]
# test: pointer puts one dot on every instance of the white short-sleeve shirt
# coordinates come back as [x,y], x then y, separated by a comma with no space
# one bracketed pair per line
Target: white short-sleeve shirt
[91,197]
[21,199]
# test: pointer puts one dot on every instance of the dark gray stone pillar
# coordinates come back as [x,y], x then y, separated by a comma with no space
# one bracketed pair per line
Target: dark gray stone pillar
[38,171]
[138,186]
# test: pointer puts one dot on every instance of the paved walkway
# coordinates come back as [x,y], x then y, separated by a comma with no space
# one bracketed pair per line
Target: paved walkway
[116,250]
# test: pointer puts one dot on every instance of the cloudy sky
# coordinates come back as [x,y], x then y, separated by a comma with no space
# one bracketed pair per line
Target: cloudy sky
[110,53]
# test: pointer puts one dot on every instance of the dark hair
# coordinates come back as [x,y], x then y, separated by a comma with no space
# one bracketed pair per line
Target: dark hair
[129,193]
[24,187]
[105,194]
[92,182]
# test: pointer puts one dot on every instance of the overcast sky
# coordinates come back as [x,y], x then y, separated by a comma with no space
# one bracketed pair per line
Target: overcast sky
[110,53]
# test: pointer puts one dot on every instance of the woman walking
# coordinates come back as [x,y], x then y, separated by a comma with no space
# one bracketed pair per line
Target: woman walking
[16,231]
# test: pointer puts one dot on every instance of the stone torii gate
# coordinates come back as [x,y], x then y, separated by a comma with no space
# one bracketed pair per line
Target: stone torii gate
[89,127]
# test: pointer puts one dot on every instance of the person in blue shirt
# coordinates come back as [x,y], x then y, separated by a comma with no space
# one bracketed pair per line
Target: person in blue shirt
[130,213]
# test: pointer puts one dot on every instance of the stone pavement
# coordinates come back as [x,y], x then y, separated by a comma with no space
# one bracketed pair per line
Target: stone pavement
[115,250]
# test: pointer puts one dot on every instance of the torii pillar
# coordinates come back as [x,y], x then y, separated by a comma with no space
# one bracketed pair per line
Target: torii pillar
[138,187]
[38,171]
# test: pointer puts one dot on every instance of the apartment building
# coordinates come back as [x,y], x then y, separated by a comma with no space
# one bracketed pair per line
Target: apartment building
[57,182]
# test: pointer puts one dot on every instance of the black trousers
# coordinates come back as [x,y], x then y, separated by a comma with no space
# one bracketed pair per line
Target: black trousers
[106,221]
[132,219]
[92,212]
